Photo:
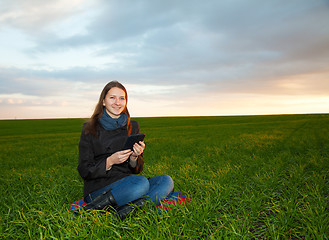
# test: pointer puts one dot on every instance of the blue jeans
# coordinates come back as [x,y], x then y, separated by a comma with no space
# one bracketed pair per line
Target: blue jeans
[133,187]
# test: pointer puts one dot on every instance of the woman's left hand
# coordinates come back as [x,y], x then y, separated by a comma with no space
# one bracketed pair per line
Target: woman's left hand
[138,150]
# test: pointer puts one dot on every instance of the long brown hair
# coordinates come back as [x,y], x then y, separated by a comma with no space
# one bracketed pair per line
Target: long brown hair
[91,126]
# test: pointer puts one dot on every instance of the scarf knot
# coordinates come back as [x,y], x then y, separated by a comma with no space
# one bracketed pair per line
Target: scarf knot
[109,123]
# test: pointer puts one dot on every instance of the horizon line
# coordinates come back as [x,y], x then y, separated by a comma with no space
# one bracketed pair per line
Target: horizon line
[173,116]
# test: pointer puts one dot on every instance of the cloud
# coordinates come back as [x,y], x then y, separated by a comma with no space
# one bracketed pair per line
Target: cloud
[35,15]
[210,41]
[161,49]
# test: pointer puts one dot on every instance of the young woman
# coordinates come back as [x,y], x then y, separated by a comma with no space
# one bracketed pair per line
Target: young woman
[110,174]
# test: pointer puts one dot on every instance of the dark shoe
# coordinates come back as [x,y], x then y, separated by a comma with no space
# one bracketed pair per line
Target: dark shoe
[140,202]
[102,201]
[123,211]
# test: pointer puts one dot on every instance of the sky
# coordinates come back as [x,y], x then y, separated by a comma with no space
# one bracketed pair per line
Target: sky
[176,58]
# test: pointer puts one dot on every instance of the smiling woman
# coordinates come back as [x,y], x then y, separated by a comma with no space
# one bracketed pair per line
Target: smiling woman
[110,173]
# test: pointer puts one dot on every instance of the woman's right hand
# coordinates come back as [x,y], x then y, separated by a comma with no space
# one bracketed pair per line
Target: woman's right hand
[118,158]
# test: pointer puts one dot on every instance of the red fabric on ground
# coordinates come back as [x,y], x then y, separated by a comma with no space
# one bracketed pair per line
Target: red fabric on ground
[166,204]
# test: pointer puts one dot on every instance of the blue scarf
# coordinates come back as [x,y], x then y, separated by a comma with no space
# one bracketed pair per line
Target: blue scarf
[110,123]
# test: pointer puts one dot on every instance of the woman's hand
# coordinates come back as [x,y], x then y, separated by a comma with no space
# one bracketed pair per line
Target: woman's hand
[138,150]
[118,158]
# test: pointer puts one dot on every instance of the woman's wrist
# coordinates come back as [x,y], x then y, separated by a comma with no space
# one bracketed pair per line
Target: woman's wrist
[133,158]
[133,161]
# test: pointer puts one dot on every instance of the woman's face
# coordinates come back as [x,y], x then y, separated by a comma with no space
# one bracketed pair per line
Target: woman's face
[115,102]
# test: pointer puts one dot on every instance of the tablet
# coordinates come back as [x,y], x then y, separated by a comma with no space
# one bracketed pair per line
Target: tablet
[132,139]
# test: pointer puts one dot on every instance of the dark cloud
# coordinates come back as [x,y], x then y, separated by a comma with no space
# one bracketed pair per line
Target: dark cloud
[240,46]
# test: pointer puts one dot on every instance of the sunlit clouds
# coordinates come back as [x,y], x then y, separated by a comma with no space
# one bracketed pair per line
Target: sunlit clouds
[176,58]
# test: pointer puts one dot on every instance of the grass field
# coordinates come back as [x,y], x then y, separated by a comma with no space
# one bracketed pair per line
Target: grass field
[250,177]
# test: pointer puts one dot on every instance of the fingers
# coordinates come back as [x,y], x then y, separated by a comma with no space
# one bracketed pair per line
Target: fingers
[142,144]
[125,151]
[139,148]
[123,155]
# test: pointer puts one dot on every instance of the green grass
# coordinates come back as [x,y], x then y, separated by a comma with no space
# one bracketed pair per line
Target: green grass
[250,177]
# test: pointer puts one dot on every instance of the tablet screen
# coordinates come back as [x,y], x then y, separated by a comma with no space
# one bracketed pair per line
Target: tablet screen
[132,139]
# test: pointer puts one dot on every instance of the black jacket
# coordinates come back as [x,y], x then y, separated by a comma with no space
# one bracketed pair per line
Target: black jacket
[93,152]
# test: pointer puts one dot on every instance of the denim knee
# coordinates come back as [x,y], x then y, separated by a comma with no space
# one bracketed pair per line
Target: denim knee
[164,181]
[160,187]
[130,188]
[141,184]
[169,180]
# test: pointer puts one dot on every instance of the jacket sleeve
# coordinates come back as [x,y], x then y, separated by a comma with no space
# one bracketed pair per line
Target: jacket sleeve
[89,167]
[140,162]
[139,166]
